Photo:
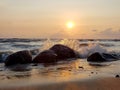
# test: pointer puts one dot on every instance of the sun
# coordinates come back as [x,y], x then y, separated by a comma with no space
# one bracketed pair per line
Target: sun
[70,24]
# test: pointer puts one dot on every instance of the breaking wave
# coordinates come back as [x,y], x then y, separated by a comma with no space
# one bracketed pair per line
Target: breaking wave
[82,48]
[83,51]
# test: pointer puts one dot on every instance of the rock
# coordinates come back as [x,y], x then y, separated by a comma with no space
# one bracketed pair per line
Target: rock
[63,52]
[47,56]
[117,76]
[96,57]
[21,57]
[92,72]
[101,57]
[81,67]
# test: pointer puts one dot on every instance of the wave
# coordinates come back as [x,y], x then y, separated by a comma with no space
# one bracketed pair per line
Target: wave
[21,40]
[82,49]
[24,46]
[3,55]
[105,44]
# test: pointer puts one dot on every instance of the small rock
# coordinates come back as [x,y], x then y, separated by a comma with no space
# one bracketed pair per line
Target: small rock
[81,67]
[8,77]
[92,72]
[117,76]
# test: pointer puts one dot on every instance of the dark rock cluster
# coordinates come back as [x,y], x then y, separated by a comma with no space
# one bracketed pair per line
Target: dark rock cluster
[55,53]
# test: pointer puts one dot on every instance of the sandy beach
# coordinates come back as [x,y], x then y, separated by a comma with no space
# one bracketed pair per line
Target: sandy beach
[110,83]
[63,76]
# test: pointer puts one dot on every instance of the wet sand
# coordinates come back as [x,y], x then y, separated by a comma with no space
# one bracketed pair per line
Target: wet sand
[110,83]
[70,75]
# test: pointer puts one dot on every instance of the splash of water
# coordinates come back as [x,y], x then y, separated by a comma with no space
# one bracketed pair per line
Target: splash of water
[48,44]
[74,44]
[90,49]
[82,52]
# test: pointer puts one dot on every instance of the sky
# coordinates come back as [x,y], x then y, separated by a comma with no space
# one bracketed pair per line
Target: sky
[93,19]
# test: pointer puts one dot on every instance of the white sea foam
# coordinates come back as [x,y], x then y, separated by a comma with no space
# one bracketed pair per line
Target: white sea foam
[90,49]
[83,52]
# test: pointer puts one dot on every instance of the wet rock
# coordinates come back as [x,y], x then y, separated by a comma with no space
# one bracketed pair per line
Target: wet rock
[92,72]
[63,52]
[96,57]
[47,56]
[101,57]
[8,77]
[117,76]
[21,57]
[81,67]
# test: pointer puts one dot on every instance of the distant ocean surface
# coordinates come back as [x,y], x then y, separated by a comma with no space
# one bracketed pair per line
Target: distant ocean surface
[63,70]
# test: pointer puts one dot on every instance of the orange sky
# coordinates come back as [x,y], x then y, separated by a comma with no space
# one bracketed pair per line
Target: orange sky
[48,18]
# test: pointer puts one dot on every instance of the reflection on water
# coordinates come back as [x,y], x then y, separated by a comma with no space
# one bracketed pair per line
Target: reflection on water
[19,68]
[96,64]
[57,72]
[60,69]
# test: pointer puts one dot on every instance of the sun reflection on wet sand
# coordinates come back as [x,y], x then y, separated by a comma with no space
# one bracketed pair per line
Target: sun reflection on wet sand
[62,71]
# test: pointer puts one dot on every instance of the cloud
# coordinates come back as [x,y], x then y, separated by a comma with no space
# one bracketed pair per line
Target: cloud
[94,30]
[109,33]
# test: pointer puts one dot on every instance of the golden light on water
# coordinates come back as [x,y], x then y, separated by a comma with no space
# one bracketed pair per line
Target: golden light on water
[70,24]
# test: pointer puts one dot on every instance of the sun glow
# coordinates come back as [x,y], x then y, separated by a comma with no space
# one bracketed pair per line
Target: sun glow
[70,24]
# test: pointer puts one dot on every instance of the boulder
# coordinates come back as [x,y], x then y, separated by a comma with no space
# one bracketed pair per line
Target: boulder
[21,57]
[96,57]
[101,57]
[63,52]
[47,56]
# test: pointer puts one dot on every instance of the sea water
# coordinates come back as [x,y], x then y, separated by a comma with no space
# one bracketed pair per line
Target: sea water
[60,71]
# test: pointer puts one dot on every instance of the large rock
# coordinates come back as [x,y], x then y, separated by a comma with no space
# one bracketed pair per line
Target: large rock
[47,56]
[101,57]
[63,52]
[21,57]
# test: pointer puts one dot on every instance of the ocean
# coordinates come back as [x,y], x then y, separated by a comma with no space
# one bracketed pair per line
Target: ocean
[62,71]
